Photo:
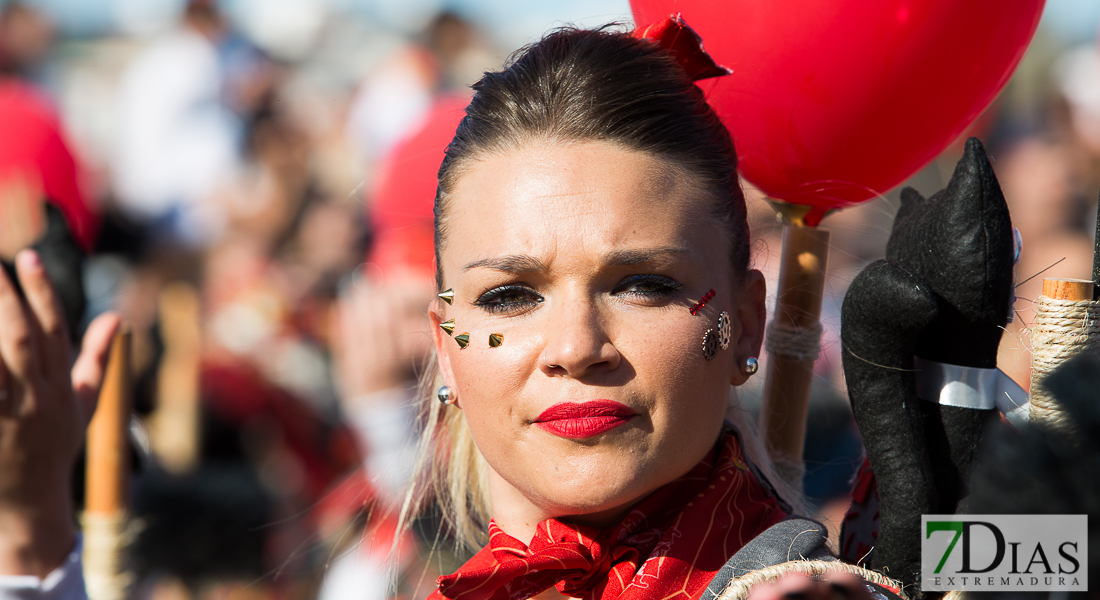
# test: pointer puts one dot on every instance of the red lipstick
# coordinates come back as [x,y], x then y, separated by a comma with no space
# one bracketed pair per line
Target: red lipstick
[584,420]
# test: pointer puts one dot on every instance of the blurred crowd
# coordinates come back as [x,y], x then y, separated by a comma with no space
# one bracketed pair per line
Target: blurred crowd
[261,215]
[267,236]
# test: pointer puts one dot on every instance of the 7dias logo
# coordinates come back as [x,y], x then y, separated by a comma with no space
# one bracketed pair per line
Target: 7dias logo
[976,553]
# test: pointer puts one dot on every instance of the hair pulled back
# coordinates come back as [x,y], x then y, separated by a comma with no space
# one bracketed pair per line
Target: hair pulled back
[600,85]
[572,86]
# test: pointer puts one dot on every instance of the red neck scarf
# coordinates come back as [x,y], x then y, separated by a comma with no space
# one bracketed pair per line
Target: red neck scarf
[671,544]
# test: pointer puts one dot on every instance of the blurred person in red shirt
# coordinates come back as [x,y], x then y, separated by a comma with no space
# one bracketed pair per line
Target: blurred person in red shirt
[36,163]
[381,345]
[42,201]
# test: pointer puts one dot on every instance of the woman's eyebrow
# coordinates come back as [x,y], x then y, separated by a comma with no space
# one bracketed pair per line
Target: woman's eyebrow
[513,263]
[525,263]
[625,258]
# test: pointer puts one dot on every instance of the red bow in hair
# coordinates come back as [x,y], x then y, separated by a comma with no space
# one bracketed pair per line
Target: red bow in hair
[684,45]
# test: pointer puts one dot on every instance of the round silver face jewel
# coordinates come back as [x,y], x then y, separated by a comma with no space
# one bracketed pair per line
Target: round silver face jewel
[751,365]
[724,330]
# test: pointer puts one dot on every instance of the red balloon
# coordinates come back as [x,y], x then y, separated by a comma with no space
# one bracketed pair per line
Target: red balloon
[834,102]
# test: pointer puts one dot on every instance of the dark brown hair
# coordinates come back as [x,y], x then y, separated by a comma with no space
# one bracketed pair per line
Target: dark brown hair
[601,85]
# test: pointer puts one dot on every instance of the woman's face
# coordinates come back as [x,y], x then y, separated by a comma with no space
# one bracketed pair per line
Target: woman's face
[587,258]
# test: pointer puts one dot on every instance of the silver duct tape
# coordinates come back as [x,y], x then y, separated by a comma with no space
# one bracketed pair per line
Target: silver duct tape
[971,387]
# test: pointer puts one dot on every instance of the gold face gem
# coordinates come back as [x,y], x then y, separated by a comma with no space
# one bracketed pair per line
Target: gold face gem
[463,340]
[448,326]
[447,296]
[496,339]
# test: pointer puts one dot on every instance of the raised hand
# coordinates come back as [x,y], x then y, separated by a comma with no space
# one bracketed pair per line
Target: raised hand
[45,407]
[380,334]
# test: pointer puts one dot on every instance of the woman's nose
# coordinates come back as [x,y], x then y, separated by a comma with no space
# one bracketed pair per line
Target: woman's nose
[577,344]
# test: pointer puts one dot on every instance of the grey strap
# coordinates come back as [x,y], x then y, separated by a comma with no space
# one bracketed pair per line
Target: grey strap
[971,387]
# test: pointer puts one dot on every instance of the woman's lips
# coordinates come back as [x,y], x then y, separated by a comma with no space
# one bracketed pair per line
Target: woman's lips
[585,419]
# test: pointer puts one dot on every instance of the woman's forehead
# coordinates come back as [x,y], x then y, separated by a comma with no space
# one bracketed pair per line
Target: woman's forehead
[550,198]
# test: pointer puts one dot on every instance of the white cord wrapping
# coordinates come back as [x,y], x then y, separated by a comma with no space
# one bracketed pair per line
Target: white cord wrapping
[791,342]
[105,539]
[1062,329]
[740,588]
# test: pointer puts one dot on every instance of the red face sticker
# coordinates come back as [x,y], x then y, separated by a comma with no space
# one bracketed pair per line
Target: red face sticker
[702,302]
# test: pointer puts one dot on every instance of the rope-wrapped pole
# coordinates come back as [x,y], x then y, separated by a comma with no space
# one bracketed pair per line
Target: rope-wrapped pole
[1067,322]
[107,480]
[793,343]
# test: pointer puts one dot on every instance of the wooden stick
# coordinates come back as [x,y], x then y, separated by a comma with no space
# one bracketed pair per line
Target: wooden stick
[108,455]
[798,306]
[106,530]
[1068,289]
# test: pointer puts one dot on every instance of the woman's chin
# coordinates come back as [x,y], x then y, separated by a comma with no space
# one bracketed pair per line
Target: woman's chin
[592,481]
[595,498]
[599,512]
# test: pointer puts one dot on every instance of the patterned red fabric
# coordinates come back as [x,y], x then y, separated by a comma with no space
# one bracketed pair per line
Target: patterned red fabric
[670,545]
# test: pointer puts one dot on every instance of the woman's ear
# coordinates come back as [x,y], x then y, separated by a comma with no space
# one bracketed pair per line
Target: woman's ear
[748,319]
[435,317]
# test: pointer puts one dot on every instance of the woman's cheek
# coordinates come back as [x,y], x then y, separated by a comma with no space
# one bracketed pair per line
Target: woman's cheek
[498,375]
[675,368]
[678,343]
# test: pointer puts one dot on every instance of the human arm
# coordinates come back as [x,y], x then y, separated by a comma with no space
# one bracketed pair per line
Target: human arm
[380,343]
[44,410]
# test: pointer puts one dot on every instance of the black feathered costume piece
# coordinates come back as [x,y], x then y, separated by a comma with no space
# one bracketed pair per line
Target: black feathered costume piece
[942,293]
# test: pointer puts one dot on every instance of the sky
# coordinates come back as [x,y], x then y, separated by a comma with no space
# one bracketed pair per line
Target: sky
[507,19]
[512,22]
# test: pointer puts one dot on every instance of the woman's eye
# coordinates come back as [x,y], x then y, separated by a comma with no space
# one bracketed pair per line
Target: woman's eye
[508,298]
[653,287]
